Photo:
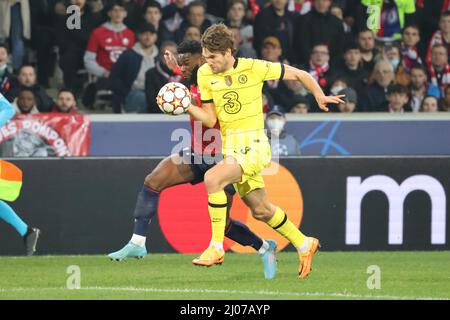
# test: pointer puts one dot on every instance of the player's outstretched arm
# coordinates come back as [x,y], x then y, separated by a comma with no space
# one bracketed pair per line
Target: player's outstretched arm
[291,73]
[206,114]
[6,110]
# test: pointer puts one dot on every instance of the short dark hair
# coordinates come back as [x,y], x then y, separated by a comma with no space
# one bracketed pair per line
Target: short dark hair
[233,2]
[426,97]
[351,45]
[24,66]
[112,3]
[197,3]
[439,45]
[5,46]
[412,25]
[190,46]
[67,90]
[397,88]
[418,66]
[152,4]
[24,89]
[445,14]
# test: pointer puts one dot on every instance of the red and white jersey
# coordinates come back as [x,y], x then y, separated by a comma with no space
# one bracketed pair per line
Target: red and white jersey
[109,44]
[206,145]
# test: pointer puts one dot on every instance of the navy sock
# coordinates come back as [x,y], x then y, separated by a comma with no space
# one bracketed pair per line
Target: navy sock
[240,233]
[145,210]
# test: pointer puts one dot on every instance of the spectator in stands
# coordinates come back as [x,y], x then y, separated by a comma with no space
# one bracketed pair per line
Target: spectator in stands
[158,76]
[319,66]
[351,101]
[375,97]
[281,143]
[441,36]
[15,25]
[196,12]
[174,13]
[25,103]
[337,85]
[299,105]
[300,6]
[427,18]
[439,68]
[72,42]
[430,104]
[275,20]
[445,104]
[134,14]
[127,77]
[420,87]
[6,78]
[271,51]
[366,42]
[236,19]
[65,102]
[410,53]
[352,70]
[192,33]
[243,50]
[318,26]
[337,11]
[153,15]
[43,39]
[105,45]
[397,97]
[393,16]
[392,53]
[27,79]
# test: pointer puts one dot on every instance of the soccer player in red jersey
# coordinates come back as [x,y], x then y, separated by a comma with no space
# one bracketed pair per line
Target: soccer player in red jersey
[189,166]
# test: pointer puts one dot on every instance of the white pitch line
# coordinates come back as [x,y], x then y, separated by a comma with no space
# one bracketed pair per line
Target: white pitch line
[261,292]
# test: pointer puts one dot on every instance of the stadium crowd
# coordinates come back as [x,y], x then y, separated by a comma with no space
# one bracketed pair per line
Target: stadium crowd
[384,55]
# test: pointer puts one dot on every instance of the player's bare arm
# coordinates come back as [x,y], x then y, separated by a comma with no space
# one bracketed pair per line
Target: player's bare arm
[206,114]
[311,84]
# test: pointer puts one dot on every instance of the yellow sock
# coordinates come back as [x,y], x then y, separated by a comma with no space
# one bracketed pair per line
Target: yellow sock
[217,206]
[281,224]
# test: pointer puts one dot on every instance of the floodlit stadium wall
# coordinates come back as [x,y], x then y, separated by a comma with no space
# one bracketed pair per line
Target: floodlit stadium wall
[85,206]
[318,134]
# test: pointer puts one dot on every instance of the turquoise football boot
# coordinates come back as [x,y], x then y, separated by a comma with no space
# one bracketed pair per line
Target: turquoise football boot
[131,250]
[269,260]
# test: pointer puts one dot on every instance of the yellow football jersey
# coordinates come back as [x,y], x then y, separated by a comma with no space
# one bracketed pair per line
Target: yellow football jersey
[237,93]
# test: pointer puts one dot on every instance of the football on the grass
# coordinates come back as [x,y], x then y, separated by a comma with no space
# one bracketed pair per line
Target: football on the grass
[173,98]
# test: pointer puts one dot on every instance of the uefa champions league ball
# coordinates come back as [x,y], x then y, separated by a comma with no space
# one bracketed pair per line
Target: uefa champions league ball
[173,98]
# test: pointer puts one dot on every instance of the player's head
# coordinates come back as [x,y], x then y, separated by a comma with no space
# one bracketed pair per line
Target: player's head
[217,44]
[65,100]
[189,57]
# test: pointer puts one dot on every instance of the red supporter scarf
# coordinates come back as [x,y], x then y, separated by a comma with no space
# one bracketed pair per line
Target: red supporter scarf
[410,56]
[445,79]
[318,73]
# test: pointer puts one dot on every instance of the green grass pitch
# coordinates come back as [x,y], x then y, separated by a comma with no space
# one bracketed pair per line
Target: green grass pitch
[336,275]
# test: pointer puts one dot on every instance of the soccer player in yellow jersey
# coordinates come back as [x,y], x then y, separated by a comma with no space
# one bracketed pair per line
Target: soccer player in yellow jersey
[231,93]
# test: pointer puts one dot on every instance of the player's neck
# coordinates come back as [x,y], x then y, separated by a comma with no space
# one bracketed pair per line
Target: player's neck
[231,64]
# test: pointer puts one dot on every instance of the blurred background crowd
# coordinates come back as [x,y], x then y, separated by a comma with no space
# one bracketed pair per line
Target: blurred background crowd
[384,55]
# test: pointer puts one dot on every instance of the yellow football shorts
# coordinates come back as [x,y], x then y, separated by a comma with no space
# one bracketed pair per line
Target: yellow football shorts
[253,157]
